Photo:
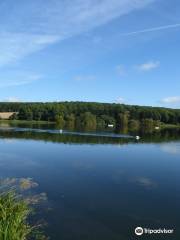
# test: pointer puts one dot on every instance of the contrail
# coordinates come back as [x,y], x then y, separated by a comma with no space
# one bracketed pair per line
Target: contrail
[152,29]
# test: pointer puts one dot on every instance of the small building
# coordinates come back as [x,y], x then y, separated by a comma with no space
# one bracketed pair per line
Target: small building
[110,125]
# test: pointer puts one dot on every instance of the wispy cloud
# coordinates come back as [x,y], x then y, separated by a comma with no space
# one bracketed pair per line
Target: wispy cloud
[84,78]
[171,100]
[14,46]
[123,70]
[12,99]
[29,26]
[18,79]
[154,29]
[148,66]
[120,100]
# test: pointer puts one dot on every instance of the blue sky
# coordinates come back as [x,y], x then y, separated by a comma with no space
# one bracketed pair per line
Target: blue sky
[124,51]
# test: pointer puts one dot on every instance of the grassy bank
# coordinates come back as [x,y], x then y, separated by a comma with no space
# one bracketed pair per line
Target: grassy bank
[25,122]
[163,125]
[170,126]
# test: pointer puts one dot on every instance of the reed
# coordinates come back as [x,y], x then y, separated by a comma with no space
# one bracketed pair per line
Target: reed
[14,215]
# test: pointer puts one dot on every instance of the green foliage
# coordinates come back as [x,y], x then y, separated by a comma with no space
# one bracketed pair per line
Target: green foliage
[123,120]
[13,218]
[101,124]
[25,113]
[14,117]
[148,125]
[134,125]
[70,121]
[93,115]
[88,121]
[109,120]
[59,120]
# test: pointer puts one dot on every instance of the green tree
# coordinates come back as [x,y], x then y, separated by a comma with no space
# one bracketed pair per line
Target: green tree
[100,123]
[25,113]
[134,125]
[59,121]
[148,125]
[122,120]
[70,121]
[89,121]
[108,120]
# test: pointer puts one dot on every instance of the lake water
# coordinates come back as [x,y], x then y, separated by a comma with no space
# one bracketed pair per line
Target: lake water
[99,187]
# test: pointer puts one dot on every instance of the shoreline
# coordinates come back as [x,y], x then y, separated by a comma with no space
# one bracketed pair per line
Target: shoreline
[26,121]
[163,126]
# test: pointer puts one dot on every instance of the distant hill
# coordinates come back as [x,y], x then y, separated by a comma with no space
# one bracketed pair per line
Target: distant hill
[92,114]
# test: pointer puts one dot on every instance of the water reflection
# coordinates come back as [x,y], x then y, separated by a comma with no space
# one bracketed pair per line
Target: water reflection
[144,182]
[93,138]
[171,148]
[98,187]
[13,161]
[24,187]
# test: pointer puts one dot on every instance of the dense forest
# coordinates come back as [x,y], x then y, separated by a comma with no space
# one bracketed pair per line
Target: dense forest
[93,115]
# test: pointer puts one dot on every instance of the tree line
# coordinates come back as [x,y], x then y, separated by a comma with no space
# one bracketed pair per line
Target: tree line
[92,115]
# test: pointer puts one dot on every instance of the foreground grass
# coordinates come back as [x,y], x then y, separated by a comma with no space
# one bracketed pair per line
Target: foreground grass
[14,214]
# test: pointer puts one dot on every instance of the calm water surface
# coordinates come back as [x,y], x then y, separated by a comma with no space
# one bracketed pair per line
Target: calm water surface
[99,188]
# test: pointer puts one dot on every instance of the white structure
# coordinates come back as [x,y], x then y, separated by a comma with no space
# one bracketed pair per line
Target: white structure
[137,137]
[157,128]
[110,125]
[61,131]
